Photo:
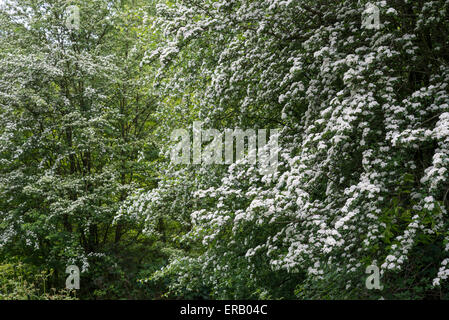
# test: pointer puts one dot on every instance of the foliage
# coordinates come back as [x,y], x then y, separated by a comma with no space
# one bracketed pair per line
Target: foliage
[363,177]
[86,118]
[19,282]
[75,140]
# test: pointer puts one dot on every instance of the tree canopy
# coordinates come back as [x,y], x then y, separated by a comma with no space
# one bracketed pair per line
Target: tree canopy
[86,122]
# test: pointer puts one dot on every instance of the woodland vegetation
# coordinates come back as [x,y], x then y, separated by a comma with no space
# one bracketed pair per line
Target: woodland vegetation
[86,179]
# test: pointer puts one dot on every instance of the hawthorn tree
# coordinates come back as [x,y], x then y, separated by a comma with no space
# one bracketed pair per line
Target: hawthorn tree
[363,175]
[363,151]
[75,139]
